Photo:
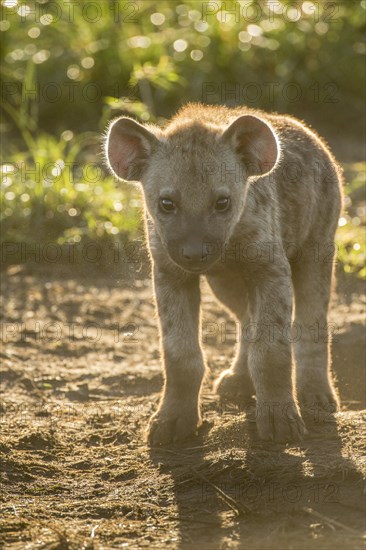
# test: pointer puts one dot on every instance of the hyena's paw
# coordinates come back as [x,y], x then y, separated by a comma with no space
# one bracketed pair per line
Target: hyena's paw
[318,400]
[279,421]
[234,388]
[173,423]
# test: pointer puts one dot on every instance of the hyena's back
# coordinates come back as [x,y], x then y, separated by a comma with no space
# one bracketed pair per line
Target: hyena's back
[308,183]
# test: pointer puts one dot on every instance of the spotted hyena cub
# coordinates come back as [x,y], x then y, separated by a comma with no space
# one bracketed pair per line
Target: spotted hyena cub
[251,201]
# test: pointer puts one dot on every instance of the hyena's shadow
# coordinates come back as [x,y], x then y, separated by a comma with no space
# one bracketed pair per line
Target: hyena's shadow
[227,480]
[197,513]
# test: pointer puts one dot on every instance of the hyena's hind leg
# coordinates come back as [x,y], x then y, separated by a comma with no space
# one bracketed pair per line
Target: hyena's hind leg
[234,385]
[312,280]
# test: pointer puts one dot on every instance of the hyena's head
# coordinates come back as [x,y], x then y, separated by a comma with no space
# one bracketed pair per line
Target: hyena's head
[194,177]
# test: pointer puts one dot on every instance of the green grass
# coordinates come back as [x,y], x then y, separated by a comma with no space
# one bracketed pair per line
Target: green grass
[71,199]
[61,193]
[350,237]
[146,66]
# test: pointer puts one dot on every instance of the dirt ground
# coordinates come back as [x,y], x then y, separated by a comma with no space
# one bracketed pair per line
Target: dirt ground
[80,376]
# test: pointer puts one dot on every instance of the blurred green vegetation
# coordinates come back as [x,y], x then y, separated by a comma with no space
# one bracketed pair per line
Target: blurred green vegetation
[67,68]
[350,238]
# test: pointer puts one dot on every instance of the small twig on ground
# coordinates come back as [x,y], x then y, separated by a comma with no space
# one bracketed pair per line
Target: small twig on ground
[331,522]
[182,455]
[92,534]
[239,509]
[192,520]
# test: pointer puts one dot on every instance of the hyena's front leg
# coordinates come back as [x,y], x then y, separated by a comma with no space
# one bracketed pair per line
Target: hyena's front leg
[270,361]
[178,415]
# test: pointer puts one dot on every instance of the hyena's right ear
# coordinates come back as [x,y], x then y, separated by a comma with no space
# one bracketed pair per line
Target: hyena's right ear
[128,147]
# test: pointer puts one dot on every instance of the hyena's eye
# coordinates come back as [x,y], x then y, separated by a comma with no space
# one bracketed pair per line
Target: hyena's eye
[167,205]
[222,204]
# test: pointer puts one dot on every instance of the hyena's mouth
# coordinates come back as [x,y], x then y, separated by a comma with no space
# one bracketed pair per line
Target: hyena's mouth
[198,268]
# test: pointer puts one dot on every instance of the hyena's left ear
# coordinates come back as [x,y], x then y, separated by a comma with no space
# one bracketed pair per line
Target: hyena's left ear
[128,147]
[255,143]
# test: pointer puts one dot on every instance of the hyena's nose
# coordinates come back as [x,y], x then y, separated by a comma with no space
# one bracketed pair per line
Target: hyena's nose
[194,253]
